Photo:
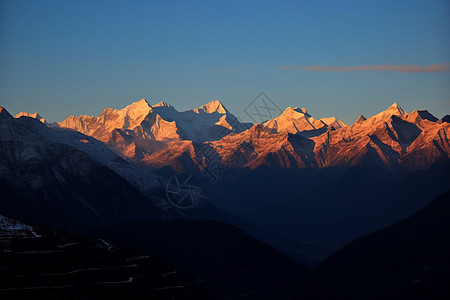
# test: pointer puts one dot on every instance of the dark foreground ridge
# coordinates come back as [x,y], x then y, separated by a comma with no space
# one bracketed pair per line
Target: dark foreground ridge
[225,259]
[51,264]
[408,260]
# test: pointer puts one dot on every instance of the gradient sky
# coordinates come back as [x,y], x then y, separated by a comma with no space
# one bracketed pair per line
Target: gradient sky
[341,58]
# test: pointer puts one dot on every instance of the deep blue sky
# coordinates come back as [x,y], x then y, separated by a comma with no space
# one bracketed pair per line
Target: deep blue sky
[77,57]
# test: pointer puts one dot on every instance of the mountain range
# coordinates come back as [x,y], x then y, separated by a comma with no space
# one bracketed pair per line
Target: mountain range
[160,136]
[391,138]
[141,129]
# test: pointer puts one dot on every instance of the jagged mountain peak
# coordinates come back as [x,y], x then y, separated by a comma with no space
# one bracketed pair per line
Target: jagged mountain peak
[288,114]
[30,115]
[333,122]
[445,119]
[138,107]
[212,107]
[386,115]
[424,115]
[395,104]
[162,104]
[27,114]
[397,108]
[100,127]
[4,113]
[360,119]
[294,110]
[132,115]
[293,120]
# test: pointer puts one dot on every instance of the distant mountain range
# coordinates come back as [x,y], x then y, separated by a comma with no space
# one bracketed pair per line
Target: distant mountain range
[140,129]
[160,136]
[294,139]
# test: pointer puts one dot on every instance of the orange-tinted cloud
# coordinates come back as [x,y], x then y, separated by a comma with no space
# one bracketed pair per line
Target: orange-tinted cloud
[441,67]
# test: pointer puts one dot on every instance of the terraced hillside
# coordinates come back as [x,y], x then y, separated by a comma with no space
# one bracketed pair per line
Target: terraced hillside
[45,263]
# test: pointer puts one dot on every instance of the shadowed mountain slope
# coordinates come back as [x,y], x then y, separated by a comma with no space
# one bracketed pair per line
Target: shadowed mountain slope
[408,260]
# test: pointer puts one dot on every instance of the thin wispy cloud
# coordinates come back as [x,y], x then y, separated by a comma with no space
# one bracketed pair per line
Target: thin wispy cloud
[441,67]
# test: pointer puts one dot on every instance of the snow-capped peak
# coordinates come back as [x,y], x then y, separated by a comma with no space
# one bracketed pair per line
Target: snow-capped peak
[396,109]
[139,107]
[212,107]
[393,110]
[30,115]
[295,112]
[135,113]
[360,119]
[293,120]
[100,127]
[333,121]
[162,104]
